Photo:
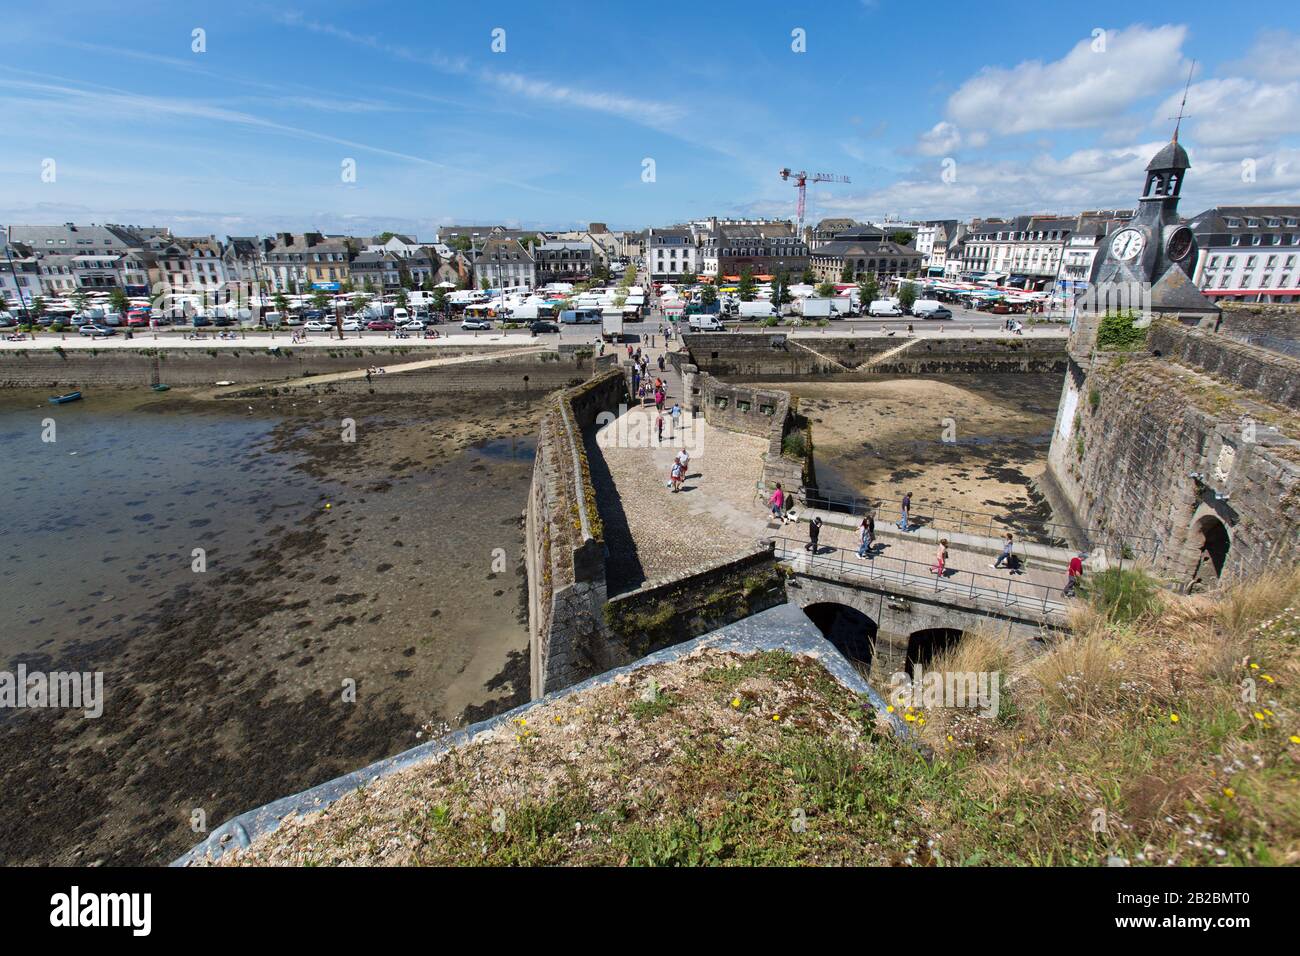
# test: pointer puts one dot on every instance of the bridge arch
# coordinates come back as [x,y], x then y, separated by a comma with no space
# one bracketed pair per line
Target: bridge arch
[852,631]
[928,643]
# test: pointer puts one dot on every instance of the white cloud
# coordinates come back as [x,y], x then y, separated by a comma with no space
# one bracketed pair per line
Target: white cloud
[1275,56]
[1237,112]
[1085,88]
[941,139]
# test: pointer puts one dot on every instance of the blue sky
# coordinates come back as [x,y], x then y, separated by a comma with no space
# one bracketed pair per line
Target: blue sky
[1029,106]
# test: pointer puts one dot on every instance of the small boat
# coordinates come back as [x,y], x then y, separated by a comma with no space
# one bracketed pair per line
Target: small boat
[225,382]
[160,387]
[64,399]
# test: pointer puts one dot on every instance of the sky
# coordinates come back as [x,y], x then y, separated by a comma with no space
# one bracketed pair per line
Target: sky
[243,118]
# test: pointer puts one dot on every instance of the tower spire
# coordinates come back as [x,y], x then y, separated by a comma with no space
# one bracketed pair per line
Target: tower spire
[1181,106]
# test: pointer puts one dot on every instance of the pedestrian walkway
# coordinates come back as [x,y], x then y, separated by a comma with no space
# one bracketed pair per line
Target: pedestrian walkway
[650,532]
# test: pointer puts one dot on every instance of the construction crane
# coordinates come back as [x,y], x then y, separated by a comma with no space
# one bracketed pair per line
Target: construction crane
[801,180]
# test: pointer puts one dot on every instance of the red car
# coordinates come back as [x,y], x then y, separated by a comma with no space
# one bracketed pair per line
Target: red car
[137,318]
[381,325]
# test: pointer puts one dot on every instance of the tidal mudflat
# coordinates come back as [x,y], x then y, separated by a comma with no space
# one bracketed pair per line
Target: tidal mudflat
[974,442]
[356,598]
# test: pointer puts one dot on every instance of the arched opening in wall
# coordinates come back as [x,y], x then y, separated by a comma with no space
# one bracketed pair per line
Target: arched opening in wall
[925,645]
[851,631]
[1212,552]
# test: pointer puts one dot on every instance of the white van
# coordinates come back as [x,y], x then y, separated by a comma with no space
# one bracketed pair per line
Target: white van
[401,315]
[705,323]
[883,307]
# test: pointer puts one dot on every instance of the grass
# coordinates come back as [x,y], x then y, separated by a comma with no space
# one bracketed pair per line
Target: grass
[1161,732]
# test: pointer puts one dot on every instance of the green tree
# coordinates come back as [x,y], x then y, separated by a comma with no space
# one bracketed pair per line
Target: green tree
[401,298]
[709,294]
[902,237]
[781,289]
[439,300]
[118,300]
[745,289]
[320,299]
[906,296]
[825,290]
[281,303]
[359,302]
[404,277]
[868,291]
[461,244]
[384,237]
[78,300]
[38,307]
[846,274]
[689,278]
[808,277]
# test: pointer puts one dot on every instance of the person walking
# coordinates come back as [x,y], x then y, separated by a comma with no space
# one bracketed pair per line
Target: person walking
[866,536]
[675,414]
[905,523]
[659,428]
[675,476]
[659,399]
[777,501]
[814,532]
[940,558]
[1073,574]
[661,361]
[1005,555]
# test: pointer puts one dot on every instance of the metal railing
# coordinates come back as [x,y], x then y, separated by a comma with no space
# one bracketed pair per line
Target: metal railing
[962,521]
[954,583]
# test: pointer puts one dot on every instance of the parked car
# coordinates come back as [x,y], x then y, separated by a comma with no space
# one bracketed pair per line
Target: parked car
[96,330]
[314,325]
[883,307]
[541,326]
[472,324]
[415,325]
[313,314]
[381,325]
[351,325]
[137,318]
[580,316]
[200,320]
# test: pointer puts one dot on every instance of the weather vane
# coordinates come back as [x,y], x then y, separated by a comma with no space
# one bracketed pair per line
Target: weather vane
[1179,118]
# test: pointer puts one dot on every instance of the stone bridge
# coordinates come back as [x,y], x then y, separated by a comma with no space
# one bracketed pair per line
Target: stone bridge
[887,613]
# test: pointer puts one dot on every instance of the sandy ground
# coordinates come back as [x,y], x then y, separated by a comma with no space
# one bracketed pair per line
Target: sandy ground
[230,693]
[888,437]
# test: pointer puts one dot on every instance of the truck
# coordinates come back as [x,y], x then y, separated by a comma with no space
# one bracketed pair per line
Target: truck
[702,308]
[816,308]
[758,309]
[611,327]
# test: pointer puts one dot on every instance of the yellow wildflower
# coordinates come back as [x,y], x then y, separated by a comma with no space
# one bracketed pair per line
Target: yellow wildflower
[1173,718]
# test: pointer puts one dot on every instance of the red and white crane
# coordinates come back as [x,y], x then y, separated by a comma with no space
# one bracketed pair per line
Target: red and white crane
[801,181]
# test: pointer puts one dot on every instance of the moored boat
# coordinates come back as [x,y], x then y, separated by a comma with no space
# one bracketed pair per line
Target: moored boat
[64,399]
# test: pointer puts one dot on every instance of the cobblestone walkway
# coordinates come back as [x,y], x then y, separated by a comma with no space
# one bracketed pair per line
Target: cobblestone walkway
[651,532]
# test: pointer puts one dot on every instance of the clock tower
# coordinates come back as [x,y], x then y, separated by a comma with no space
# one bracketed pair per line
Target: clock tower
[1155,248]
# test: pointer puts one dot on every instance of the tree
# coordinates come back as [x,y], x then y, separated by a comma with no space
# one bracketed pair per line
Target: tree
[461,244]
[439,300]
[825,290]
[359,302]
[78,300]
[118,300]
[906,296]
[846,274]
[781,289]
[383,237]
[320,299]
[689,278]
[709,295]
[401,298]
[427,284]
[404,277]
[902,237]
[808,277]
[38,307]
[868,291]
[745,288]
[281,303]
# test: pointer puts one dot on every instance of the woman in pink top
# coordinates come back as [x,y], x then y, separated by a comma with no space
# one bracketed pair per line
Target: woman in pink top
[778,501]
[941,558]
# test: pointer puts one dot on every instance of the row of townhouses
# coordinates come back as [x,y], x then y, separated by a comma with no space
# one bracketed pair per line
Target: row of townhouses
[1249,253]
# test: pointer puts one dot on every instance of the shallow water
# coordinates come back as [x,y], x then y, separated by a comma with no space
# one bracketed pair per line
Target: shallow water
[222,688]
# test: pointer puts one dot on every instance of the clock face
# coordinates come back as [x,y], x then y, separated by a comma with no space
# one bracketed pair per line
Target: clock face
[1180,243]
[1127,244]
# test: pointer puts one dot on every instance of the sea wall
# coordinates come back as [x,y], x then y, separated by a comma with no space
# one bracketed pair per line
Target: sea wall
[774,356]
[116,367]
[564,541]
